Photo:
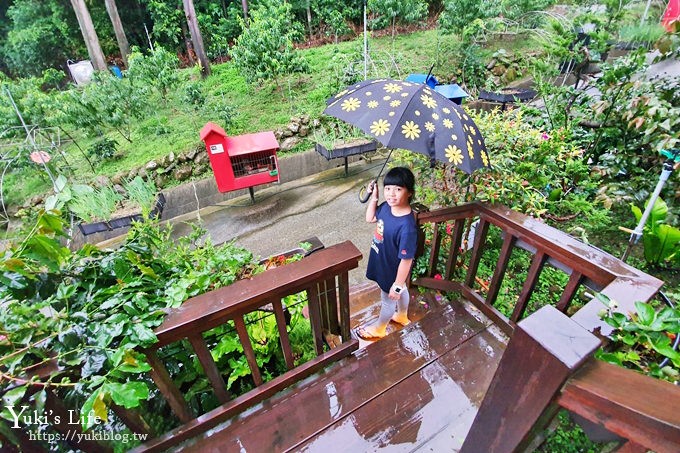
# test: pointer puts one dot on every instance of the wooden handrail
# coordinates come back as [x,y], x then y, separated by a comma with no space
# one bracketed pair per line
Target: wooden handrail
[214,308]
[584,263]
[633,406]
[328,311]
[627,403]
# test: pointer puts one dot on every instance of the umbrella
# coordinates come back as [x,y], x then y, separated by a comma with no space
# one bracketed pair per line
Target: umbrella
[412,116]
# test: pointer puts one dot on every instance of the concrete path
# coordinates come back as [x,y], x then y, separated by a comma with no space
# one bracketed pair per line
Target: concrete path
[324,205]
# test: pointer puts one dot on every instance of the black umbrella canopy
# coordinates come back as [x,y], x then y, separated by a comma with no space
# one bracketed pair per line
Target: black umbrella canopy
[412,116]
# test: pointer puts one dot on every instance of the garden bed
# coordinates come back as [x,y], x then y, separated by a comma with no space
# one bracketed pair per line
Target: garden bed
[123,221]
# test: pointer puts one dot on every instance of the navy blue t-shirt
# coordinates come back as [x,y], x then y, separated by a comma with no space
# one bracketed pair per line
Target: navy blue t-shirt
[395,239]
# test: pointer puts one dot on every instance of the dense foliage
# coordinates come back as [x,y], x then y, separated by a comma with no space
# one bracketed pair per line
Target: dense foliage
[91,311]
[264,50]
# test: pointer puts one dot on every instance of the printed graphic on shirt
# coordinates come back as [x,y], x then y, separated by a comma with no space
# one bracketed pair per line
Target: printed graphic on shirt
[379,230]
[378,236]
[403,252]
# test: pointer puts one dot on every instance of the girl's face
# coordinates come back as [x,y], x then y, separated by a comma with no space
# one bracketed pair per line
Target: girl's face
[396,195]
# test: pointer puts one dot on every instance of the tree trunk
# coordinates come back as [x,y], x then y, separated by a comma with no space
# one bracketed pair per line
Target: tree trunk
[196,37]
[244,4]
[309,18]
[94,49]
[123,45]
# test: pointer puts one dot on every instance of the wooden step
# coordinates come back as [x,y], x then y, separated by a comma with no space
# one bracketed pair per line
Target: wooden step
[431,365]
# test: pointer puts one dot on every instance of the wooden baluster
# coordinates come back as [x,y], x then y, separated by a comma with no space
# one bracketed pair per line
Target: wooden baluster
[535,365]
[535,269]
[570,291]
[315,319]
[434,251]
[248,349]
[329,306]
[133,420]
[456,241]
[343,300]
[477,250]
[283,334]
[501,267]
[209,367]
[160,376]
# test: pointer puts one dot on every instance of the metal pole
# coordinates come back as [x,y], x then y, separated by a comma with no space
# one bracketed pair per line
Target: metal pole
[637,233]
[365,44]
[644,15]
[148,37]
[29,136]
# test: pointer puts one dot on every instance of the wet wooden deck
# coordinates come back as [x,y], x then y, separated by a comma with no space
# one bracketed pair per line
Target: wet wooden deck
[417,388]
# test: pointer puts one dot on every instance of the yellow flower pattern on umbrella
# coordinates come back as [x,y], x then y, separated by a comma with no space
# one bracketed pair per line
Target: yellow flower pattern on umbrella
[454,154]
[380,127]
[351,104]
[410,130]
[428,101]
[393,88]
[428,122]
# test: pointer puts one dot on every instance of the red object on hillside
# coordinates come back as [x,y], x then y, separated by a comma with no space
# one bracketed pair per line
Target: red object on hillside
[40,157]
[242,161]
[672,14]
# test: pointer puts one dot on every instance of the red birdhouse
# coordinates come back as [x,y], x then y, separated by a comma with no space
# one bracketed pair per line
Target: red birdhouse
[242,161]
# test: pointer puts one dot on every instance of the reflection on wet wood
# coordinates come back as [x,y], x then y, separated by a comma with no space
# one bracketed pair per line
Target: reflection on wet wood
[404,383]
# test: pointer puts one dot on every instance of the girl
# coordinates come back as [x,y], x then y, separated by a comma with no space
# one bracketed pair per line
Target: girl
[392,249]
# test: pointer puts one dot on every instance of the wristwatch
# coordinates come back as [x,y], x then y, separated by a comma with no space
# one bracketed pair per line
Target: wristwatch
[398,289]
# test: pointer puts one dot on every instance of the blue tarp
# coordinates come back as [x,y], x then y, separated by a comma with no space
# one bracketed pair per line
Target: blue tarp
[420,78]
[453,91]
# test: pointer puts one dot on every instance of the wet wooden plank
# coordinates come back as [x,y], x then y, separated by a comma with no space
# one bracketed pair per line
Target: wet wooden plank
[433,407]
[239,404]
[286,420]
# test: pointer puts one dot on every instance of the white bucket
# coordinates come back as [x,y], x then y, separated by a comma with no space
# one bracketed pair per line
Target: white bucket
[81,71]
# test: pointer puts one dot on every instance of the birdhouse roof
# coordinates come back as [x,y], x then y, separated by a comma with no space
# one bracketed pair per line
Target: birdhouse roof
[250,143]
[211,127]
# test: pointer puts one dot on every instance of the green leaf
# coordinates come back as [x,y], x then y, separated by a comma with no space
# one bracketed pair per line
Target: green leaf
[646,313]
[128,394]
[94,363]
[143,335]
[94,406]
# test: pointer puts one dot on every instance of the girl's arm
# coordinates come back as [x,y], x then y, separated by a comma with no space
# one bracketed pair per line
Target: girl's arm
[402,274]
[372,202]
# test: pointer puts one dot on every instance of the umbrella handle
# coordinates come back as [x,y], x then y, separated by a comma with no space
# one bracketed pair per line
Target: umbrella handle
[364,194]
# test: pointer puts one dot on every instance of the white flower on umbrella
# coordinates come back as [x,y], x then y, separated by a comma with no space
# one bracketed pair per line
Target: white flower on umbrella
[395,103]
[372,104]
[380,127]
[351,104]
[429,126]
[410,130]
[454,154]
[448,123]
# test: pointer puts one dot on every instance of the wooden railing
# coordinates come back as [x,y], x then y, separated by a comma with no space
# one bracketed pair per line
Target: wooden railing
[548,361]
[585,265]
[322,275]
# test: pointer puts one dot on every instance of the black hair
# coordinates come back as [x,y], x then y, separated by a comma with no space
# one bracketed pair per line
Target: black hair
[402,177]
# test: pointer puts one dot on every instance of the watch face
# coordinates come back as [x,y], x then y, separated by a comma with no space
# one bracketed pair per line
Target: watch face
[398,289]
